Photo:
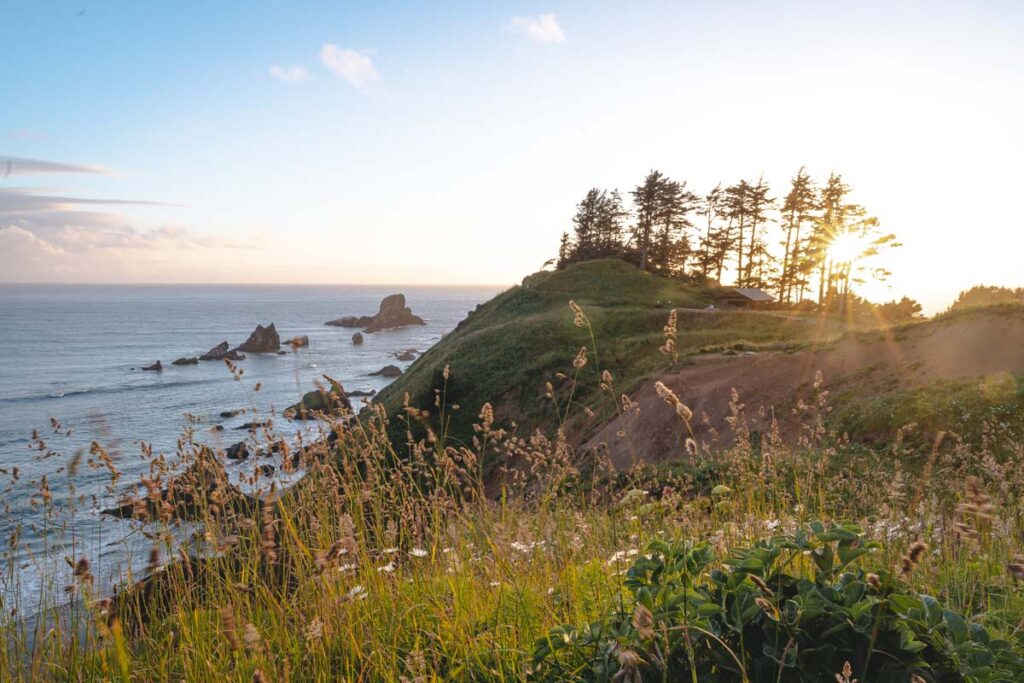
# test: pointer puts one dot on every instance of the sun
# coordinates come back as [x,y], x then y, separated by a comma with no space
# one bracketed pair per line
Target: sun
[846,248]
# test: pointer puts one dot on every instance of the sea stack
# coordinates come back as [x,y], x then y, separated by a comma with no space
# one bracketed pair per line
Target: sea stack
[262,340]
[392,313]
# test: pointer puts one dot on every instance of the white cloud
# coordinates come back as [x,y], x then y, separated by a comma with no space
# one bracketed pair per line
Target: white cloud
[289,74]
[11,166]
[543,28]
[355,66]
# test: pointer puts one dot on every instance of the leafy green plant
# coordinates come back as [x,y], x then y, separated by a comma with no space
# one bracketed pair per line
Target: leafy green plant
[795,607]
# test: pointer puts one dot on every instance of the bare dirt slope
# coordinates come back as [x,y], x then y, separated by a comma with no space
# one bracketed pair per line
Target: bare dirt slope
[975,344]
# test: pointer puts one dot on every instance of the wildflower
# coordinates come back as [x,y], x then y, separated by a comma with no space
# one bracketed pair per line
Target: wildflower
[230,628]
[356,593]
[643,621]
[629,667]
[846,676]
[486,418]
[315,630]
[390,551]
[580,318]
[670,397]
[874,581]
[760,583]
[388,568]
[418,552]
[1016,568]
[767,607]
[913,556]
[252,638]
[581,358]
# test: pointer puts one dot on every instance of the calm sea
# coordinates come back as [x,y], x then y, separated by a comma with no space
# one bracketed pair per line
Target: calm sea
[74,353]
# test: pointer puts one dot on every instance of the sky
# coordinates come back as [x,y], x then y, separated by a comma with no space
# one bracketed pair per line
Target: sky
[447,143]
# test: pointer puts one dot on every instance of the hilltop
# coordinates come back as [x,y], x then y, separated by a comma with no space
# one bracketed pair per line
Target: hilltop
[516,353]
[505,352]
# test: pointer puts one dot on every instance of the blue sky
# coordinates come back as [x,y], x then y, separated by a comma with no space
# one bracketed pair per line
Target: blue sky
[416,142]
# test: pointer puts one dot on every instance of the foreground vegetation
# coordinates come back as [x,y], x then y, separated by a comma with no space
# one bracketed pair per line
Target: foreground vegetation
[761,561]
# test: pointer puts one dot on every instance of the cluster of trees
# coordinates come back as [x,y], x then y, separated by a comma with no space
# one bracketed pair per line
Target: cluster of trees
[981,295]
[811,242]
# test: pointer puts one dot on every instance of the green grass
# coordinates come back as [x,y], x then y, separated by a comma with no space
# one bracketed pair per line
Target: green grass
[408,565]
[506,351]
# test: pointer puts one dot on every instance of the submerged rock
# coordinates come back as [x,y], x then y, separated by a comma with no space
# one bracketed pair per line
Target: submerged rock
[408,354]
[298,342]
[392,313]
[155,367]
[262,340]
[357,338]
[388,371]
[186,361]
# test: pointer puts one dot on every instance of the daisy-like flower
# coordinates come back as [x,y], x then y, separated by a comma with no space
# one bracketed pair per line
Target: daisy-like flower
[356,593]
[388,568]
[418,552]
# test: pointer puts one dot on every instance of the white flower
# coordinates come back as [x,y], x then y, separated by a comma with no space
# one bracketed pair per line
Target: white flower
[357,593]
[390,551]
[388,568]
[418,552]
[522,547]
[346,568]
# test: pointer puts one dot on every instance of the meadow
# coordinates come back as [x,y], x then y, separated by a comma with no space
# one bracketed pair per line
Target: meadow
[819,559]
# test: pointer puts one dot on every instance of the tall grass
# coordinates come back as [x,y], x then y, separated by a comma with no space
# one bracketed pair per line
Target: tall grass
[411,562]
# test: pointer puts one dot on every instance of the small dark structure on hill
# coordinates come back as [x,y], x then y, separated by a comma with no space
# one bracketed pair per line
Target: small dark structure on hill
[746,297]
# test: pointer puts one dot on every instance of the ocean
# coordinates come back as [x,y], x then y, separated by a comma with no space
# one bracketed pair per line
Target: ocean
[74,353]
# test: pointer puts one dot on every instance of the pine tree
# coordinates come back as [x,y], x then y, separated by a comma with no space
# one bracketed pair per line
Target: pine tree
[798,210]
[737,208]
[758,258]
[711,208]
[646,201]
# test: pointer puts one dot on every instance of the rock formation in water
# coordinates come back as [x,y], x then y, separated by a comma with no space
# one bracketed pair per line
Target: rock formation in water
[392,313]
[262,340]
[388,371]
[221,352]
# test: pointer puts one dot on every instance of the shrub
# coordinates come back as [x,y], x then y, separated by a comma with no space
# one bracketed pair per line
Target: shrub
[791,608]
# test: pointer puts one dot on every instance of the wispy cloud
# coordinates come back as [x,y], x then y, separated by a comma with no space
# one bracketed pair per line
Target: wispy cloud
[290,74]
[16,200]
[543,28]
[63,226]
[51,235]
[12,166]
[354,66]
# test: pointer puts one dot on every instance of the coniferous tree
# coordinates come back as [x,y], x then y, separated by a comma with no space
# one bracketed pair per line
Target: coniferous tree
[797,210]
[671,245]
[711,208]
[646,202]
[758,258]
[737,207]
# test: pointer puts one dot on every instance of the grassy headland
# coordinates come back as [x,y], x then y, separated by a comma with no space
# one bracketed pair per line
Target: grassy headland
[403,563]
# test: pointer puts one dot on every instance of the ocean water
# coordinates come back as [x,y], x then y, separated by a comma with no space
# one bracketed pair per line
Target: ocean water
[74,353]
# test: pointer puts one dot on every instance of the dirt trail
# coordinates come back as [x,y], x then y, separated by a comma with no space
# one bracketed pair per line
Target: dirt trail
[973,345]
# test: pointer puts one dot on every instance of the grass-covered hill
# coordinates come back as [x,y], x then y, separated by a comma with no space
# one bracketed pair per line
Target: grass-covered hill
[507,350]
